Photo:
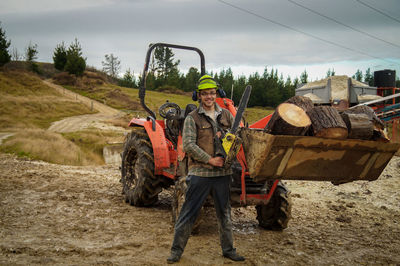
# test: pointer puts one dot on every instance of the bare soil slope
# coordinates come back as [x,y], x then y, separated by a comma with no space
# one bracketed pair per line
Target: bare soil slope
[65,215]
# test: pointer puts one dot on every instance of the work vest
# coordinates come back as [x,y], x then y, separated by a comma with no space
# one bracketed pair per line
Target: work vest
[205,133]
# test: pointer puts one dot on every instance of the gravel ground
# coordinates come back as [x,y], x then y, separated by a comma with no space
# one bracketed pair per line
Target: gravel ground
[67,215]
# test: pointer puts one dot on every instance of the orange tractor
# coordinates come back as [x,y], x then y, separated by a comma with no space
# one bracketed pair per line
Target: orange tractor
[153,159]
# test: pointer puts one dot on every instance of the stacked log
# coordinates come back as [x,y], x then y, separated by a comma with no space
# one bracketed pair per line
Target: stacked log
[359,126]
[327,123]
[298,116]
[288,119]
[377,125]
[363,109]
[304,103]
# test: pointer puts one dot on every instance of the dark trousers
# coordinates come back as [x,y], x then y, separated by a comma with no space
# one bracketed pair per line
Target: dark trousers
[198,190]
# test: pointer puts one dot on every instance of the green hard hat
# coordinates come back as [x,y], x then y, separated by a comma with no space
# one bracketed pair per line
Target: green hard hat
[206,82]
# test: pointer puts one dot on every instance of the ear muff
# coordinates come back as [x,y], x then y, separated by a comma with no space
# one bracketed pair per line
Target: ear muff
[194,96]
[221,92]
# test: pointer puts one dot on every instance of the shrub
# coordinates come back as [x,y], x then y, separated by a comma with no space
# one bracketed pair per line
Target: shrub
[76,64]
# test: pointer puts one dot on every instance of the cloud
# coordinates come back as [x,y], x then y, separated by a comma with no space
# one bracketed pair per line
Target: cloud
[229,37]
[43,6]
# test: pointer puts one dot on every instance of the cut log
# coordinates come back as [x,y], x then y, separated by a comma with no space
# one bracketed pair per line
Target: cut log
[303,102]
[327,123]
[380,135]
[363,109]
[359,126]
[288,119]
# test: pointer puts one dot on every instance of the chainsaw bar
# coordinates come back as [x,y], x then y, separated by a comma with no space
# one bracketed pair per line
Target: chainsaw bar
[242,106]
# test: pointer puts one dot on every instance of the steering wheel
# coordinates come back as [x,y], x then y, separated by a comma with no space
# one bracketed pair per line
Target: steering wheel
[169,111]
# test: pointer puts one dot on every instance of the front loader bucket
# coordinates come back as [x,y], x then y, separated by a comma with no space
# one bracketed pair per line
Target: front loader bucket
[315,159]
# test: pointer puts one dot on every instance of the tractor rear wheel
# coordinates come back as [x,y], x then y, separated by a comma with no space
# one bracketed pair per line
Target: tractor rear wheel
[140,186]
[276,214]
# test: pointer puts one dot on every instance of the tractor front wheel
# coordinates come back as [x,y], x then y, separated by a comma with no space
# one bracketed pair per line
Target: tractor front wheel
[276,214]
[140,186]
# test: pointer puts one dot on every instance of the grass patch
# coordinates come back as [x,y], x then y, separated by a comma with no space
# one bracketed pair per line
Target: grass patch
[254,114]
[25,102]
[22,83]
[48,146]
[93,140]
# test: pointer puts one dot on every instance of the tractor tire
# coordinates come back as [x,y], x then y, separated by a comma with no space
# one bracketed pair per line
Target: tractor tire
[140,186]
[276,214]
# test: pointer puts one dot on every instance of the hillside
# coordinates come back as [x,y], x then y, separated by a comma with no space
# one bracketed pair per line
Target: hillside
[28,108]
[95,86]
[35,113]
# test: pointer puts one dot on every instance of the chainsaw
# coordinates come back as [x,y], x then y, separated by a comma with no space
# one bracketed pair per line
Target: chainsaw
[231,142]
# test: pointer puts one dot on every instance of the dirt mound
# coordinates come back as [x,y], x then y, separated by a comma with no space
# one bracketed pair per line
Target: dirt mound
[117,97]
[173,90]
[89,79]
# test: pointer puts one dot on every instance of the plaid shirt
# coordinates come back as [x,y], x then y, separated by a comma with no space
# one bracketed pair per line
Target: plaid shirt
[190,146]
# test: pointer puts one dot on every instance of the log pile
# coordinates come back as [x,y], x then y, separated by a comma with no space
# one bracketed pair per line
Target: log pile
[298,117]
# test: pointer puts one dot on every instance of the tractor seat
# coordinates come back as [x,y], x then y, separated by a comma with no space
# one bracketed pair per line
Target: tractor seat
[189,108]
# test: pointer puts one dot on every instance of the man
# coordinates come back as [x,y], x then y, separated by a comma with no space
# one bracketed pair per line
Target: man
[206,173]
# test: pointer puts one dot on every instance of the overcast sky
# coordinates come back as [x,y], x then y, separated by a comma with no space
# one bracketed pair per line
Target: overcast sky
[288,35]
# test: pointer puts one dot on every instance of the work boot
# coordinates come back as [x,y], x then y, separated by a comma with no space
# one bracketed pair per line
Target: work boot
[173,258]
[234,256]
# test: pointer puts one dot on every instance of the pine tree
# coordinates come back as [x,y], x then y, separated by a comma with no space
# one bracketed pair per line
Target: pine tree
[128,80]
[304,77]
[31,53]
[76,64]
[358,75]
[330,73]
[4,45]
[191,79]
[165,64]
[369,78]
[60,56]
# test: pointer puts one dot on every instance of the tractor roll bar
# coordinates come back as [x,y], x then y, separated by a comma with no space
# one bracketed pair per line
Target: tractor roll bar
[142,86]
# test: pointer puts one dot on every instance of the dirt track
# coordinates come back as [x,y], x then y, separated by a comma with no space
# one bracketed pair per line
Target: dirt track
[54,214]
[102,108]
[80,122]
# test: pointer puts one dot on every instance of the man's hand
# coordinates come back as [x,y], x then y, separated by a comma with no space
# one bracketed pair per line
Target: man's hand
[216,161]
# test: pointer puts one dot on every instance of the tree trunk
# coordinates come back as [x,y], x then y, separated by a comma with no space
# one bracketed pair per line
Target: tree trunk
[327,123]
[288,119]
[303,102]
[359,126]
[363,109]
